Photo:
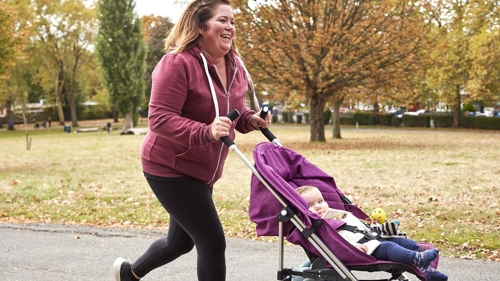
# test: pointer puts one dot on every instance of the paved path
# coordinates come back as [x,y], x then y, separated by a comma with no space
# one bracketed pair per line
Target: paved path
[65,253]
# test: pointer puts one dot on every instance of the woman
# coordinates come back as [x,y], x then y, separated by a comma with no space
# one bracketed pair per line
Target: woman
[199,81]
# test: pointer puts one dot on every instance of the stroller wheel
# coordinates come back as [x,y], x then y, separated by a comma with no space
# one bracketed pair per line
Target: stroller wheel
[401,277]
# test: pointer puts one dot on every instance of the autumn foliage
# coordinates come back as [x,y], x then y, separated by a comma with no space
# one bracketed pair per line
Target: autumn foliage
[325,48]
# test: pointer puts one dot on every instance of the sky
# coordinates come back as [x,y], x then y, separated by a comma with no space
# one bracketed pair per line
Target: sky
[165,8]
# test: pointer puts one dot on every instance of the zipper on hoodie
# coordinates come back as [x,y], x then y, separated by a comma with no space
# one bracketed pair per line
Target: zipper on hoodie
[226,91]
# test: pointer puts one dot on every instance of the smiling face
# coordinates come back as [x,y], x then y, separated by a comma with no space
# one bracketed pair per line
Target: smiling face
[315,201]
[217,35]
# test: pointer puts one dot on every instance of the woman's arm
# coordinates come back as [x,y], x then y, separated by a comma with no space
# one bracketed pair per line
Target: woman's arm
[170,114]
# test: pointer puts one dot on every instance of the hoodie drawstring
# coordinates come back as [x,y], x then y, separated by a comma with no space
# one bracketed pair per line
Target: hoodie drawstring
[214,97]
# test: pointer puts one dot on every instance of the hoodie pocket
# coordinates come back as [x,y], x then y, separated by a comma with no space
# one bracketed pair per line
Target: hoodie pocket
[147,147]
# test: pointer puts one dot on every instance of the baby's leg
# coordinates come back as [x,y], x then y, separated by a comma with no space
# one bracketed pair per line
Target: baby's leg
[394,252]
[433,274]
[390,251]
[405,243]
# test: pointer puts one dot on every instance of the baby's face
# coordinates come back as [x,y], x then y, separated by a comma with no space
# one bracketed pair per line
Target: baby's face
[315,201]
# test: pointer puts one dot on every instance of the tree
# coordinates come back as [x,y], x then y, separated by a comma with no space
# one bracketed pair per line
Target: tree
[121,54]
[7,50]
[325,49]
[468,55]
[8,40]
[81,23]
[64,32]
[13,35]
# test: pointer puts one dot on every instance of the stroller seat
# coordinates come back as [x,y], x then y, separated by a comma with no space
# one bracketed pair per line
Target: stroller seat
[278,210]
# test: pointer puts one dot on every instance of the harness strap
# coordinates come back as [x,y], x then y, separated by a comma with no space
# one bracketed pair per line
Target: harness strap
[367,236]
[307,232]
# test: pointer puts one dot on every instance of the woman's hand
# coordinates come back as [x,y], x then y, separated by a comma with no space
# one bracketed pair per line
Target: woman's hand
[220,127]
[259,123]
[362,248]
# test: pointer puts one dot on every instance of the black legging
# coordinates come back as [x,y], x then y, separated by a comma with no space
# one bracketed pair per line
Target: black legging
[193,221]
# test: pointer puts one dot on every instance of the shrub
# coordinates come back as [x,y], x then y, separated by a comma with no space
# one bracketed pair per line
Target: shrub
[416,121]
[347,120]
[443,121]
[396,121]
[468,107]
[95,112]
[284,116]
[423,121]
[362,118]
[481,122]
[299,119]
[306,117]
[327,115]
[385,119]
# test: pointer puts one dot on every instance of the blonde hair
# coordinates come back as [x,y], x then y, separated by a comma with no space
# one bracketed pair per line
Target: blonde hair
[305,188]
[185,33]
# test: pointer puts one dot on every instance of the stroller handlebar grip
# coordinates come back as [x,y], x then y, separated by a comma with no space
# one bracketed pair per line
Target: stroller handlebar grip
[270,136]
[231,115]
[263,114]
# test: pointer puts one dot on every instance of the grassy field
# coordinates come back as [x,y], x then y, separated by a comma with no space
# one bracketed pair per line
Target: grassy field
[442,185]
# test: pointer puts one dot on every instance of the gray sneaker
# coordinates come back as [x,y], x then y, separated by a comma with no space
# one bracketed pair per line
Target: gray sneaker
[121,267]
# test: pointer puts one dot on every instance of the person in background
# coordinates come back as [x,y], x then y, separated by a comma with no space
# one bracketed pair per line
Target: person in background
[400,250]
[195,85]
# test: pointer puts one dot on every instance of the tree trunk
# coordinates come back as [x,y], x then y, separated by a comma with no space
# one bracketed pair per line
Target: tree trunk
[28,139]
[457,112]
[10,115]
[60,112]
[72,109]
[336,118]
[317,123]
[115,114]
[71,98]
[128,123]
[58,91]
[376,109]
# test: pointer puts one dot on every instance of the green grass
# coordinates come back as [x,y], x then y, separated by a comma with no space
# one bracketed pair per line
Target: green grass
[442,185]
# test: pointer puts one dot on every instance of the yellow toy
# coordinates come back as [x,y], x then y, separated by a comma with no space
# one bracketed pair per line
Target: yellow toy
[378,215]
[386,229]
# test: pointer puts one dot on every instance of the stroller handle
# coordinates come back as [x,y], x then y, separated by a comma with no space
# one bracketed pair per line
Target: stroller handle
[231,115]
[263,114]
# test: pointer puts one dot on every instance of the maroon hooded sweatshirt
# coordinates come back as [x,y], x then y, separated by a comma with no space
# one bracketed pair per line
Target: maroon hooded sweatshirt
[179,141]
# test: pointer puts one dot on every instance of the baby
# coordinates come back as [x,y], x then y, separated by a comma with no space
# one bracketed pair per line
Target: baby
[402,250]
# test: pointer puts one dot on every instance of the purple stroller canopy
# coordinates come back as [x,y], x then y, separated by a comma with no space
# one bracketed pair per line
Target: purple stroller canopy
[284,170]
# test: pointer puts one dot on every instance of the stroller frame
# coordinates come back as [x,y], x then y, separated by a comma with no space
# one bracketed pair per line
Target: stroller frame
[287,214]
[319,270]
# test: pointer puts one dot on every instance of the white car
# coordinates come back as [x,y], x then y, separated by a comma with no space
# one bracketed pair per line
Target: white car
[418,112]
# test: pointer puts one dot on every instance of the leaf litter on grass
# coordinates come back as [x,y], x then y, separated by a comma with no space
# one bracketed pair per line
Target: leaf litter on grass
[433,183]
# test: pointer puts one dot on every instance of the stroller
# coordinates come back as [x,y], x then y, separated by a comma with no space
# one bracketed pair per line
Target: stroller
[279,211]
